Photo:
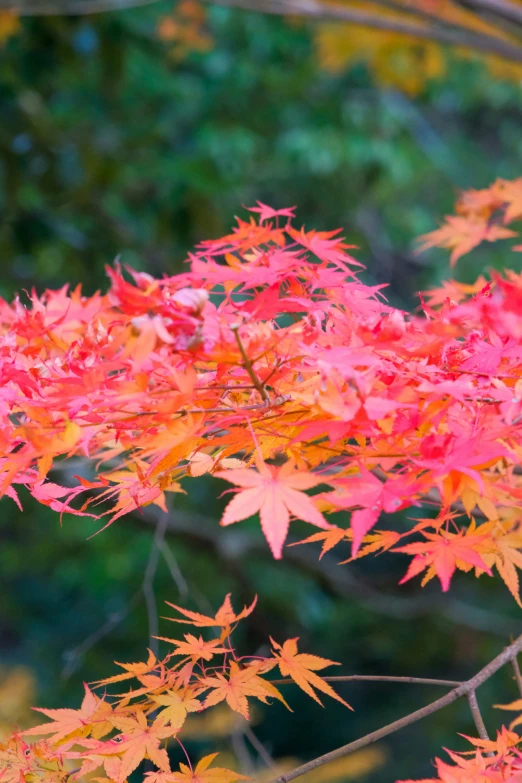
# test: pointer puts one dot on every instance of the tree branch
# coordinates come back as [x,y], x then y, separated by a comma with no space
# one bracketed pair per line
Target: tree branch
[69,7]
[503,8]
[249,367]
[500,11]
[518,675]
[376,678]
[313,9]
[477,716]
[464,689]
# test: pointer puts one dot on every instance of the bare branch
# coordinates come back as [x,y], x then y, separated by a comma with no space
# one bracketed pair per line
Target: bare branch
[69,7]
[436,29]
[148,582]
[74,656]
[376,678]
[258,745]
[477,716]
[518,675]
[175,570]
[503,8]
[319,11]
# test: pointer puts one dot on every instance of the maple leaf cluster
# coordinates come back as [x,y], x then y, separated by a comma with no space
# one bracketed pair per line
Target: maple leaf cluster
[270,365]
[114,734]
[492,761]
[482,216]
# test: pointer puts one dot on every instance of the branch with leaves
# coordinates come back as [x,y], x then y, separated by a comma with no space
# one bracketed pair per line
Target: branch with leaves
[116,733]
[271,366]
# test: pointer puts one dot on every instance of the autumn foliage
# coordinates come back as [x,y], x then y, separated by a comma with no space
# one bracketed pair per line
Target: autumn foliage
[113,734]
[272,366]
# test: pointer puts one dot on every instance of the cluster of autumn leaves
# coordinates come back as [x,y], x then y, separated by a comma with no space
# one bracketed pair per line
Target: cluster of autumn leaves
[491,761]
[482,216]
[270,365]
[112,735]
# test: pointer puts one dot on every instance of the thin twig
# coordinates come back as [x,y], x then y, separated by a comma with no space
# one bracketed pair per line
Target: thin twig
[241,751]
[148,582]
[258,745]
[73,657]
[175,570]
[377,678]
[249,367]
[463,689]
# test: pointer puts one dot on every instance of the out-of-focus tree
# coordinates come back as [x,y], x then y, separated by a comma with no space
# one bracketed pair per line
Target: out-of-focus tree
[400,39]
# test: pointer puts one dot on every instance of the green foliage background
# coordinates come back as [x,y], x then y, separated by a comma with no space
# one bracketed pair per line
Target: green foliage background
[111,147]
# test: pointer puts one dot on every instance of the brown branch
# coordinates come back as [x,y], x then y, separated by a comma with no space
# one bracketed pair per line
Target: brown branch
[477,716]
[518,675]
[258,746]
[249,367]
[319,11]
[376,678]
[148,581]
[503,8]
[464,689]
[70,7]
[437,30]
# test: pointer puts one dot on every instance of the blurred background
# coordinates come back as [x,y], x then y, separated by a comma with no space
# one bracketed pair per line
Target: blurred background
[137,134]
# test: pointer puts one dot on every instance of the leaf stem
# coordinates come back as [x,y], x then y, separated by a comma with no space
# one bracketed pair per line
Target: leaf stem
[249,367]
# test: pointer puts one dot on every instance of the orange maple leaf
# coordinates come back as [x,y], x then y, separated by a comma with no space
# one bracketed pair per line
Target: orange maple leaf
[330,538]
[225,616]
[140,740]
[301,667]
[67,722]
[195,647]
[132,670]
[505,739]
[275,493]
[235,688]
[176,708]
[201,774]
[462,234]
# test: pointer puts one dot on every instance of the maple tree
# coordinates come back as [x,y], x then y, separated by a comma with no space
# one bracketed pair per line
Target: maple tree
[271,366]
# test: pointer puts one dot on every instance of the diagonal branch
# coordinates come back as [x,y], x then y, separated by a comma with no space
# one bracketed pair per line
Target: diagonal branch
[466,688]
[319,11]
[505,9]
